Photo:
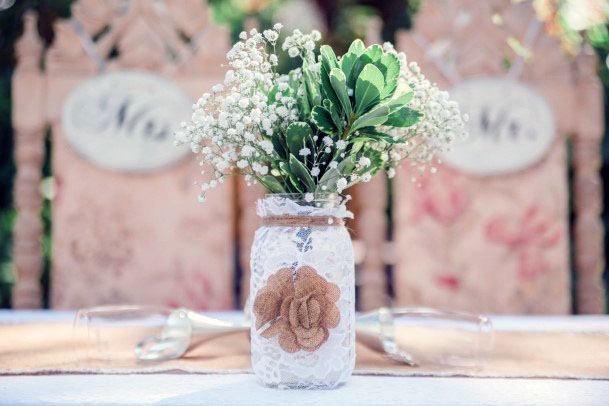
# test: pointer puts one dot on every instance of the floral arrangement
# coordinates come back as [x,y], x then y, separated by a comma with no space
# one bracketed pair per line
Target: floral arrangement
[280,302]
[574,21]
[329,124]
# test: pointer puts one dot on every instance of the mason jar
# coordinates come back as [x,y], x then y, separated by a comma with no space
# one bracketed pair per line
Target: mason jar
[302,293]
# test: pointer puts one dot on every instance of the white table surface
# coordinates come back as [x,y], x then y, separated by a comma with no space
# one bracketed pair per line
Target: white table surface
[242,389]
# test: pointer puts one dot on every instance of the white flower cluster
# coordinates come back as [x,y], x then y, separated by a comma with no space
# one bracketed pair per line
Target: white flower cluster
[303,45]
[231,127]
[240,127]
[440,125]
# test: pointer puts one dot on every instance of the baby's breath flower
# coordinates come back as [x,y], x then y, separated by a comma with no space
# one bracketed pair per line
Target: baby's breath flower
[304,152]
[303,45]
[364,161]
[293,52]
[271,35]
[441,122]
[236,127]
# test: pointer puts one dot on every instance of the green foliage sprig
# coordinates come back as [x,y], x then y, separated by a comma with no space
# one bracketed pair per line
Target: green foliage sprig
[325,126]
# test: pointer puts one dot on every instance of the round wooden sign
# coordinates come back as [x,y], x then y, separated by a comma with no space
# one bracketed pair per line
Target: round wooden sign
[511,127]
[124,121]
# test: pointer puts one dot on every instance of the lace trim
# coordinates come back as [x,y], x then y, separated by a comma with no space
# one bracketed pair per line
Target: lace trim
[280,206]
[329,251]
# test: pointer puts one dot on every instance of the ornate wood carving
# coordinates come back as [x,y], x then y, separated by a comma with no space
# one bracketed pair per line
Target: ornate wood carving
[189,16]
[142,227]
[371,228]
[67,55]
[589,232]
[456,40]
[95,15]
[28,124]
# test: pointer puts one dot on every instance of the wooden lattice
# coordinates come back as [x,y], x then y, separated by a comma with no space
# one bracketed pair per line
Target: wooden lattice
[119,237]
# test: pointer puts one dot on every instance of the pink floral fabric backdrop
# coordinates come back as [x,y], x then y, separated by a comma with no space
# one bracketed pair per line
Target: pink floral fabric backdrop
[496,244]
[122,236]
[487,243]
[139,239]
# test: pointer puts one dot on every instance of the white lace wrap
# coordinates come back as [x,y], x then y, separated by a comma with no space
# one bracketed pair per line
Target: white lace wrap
[329,251]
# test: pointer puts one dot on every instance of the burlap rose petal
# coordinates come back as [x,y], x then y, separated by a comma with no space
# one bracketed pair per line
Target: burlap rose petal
[309,313]
[287,339]
[311,340]
[332,292]
[331,316]
[302,311]
[284,312]
[266,306]
[309,281]
[282,282]
[309,285]
[268,300]
[275,328]
[293,313]
[306,272]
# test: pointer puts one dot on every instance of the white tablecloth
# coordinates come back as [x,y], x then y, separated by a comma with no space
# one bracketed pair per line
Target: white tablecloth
[242,389]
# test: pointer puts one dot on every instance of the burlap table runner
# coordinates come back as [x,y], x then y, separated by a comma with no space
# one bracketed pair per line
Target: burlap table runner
[52,348]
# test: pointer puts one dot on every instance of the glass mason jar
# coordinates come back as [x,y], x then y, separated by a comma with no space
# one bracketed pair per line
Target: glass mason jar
[302,293]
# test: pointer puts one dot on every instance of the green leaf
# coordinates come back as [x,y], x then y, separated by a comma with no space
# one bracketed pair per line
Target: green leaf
[390,67]
[273,93]
[339,84]
[312,85]
[401,101]
[301,173]
[375,52]
[271,184]
[377,161]
[403,117]
[346,63]
[322,119]
[370,134]
[359,64]
[357,47]
[292,182]
[355,147]
[332,175]
[296,186]
[279,145]
[326,87]
[376,116]
[334,113]
[303,100]
[328,58]
[368,88]
[298,136]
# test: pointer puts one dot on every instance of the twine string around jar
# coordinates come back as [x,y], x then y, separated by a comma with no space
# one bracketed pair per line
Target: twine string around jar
[302,221]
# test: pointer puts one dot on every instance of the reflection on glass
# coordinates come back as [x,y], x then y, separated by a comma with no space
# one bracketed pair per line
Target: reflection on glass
[125,336]
[428,337]
[109,335]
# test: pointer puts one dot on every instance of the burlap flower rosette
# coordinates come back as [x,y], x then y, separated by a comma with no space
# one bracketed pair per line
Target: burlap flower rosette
[300,309]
